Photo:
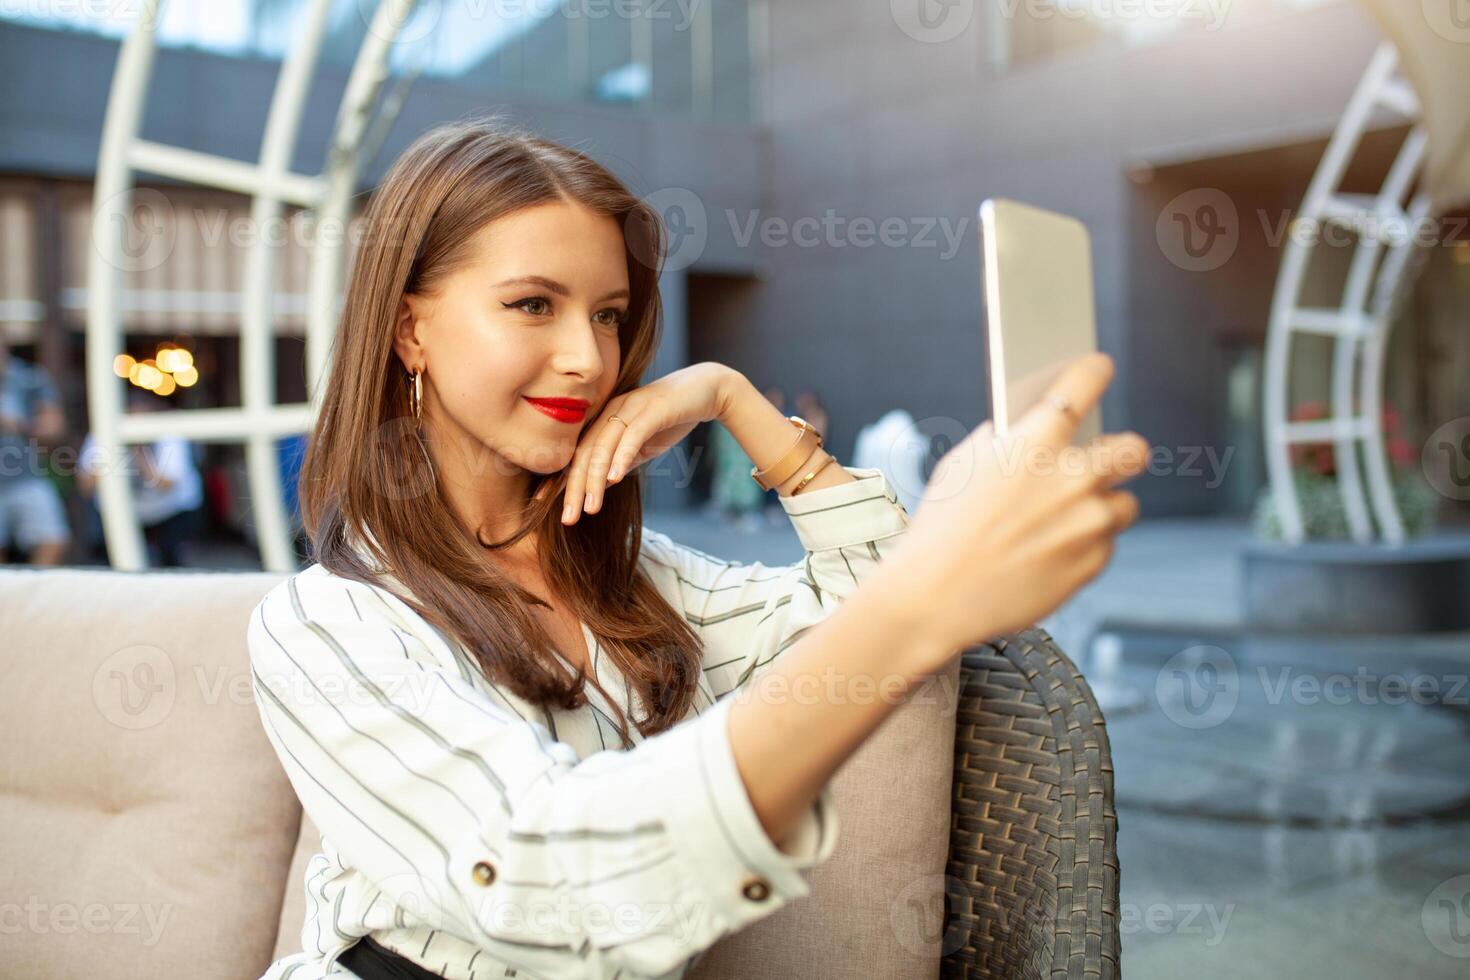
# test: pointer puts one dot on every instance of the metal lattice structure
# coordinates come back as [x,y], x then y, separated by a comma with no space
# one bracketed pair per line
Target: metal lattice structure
[258,423]
[1384,225]
[1420,74]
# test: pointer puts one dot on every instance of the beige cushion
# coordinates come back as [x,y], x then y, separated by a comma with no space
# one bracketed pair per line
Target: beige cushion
[147,825]
[876,906]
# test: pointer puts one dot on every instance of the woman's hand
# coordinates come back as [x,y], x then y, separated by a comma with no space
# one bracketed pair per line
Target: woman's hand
[658,416]
[1010,528]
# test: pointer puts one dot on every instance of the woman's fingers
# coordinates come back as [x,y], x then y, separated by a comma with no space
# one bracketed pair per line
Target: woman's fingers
[1101,464]
[622,441]
[575,497]
[1118,457]
[612,440]
[1082,383]
[1122,508]
[1084,523]
[1109,514]
[630,451]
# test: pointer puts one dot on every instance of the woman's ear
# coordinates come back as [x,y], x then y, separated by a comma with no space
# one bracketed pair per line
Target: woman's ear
[407,341]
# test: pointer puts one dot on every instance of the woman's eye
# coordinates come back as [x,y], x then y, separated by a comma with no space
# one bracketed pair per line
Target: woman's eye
[534,305]
[611,316]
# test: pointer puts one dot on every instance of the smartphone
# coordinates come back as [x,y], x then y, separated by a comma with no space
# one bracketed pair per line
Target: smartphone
[1036,275]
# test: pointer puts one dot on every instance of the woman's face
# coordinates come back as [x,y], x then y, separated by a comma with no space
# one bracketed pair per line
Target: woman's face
[533,314]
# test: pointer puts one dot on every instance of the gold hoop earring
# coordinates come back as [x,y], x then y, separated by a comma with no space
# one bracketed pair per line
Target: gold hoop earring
[416,396]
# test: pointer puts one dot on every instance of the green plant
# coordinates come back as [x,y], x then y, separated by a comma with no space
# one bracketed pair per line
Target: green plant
[1314,470]
[1323,515]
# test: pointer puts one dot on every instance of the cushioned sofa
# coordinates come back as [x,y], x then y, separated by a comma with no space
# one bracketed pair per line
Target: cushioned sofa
[149,832]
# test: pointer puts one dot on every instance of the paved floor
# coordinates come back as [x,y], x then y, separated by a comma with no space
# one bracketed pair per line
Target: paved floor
[1283,814]
[1286,807]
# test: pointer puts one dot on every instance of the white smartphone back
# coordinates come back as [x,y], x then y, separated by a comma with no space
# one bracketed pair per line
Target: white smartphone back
[1036,270]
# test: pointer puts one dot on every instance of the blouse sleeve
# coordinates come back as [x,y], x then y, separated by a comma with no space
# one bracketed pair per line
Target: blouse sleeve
[625,864]
[748,614]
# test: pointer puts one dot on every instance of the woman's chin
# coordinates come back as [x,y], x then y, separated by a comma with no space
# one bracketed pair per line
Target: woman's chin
[550,460]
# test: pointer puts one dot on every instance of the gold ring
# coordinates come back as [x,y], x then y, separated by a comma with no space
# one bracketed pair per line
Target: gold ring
[1063,404]
[614,418]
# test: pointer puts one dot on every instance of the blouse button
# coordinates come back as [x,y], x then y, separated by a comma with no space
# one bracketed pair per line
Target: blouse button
[756,889]
[483,873]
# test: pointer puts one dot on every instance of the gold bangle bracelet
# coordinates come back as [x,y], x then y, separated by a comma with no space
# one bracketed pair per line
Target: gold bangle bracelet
[808,478]
[808,441]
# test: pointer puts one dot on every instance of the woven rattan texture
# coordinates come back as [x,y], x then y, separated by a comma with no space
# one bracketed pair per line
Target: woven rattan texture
[1032,887]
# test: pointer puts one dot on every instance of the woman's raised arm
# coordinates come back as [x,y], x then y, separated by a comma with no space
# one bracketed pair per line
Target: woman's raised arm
[1007,531]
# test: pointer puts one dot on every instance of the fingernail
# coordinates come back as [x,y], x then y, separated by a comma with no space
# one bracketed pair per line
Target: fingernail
[614,473]
[587,504]
[566,513]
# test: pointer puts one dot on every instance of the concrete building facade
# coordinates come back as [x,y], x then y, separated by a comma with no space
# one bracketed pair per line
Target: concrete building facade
[829,240]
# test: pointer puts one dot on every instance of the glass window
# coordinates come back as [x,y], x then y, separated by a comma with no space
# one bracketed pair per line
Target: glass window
[1030,31]
[733,50]
[682,58]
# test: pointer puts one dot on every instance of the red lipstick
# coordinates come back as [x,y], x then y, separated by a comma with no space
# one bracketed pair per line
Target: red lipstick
[561,409]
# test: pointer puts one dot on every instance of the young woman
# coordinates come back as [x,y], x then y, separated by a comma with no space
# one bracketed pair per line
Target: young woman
[538,738]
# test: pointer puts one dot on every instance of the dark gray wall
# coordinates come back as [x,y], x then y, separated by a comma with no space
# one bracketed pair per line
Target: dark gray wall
[54,96]
[868,121]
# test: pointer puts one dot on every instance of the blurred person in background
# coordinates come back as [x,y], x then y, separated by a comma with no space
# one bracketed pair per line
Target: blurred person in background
[736,496]
[32,517]
[290,452]
[167,490]
[895,445]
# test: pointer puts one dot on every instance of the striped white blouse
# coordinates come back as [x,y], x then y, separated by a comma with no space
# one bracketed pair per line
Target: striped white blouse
[482,836]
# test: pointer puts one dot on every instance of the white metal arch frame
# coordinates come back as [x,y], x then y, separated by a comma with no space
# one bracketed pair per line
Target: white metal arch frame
[1388,231]
[1429,46]
[258,422]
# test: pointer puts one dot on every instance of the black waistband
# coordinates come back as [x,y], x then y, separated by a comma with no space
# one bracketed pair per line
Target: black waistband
[371,960]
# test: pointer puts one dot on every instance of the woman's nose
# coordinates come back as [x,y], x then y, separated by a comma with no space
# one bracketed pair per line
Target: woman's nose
[579,352]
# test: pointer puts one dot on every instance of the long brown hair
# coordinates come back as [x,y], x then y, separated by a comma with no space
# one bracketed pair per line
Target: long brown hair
[367,479]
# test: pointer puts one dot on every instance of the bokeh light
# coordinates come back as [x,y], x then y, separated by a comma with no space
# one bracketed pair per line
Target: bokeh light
[170,368]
